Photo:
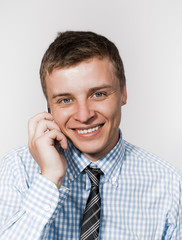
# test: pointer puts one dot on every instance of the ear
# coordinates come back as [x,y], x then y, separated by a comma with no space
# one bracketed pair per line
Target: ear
[124,96]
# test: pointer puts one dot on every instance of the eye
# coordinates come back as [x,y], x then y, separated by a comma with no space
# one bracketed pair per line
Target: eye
[66,100]
[99,94]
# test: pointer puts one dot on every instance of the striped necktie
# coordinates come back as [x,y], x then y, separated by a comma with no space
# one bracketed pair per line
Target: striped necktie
[91,216]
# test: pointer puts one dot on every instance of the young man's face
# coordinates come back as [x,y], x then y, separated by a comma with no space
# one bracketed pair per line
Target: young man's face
[86,101]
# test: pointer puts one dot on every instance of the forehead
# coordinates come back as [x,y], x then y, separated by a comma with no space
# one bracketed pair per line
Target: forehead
[85,75]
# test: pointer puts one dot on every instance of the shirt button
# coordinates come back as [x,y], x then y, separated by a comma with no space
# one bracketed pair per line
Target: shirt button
[114,179]
[47,207]
[71,177]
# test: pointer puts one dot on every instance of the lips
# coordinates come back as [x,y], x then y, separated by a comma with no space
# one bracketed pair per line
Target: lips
[91,130]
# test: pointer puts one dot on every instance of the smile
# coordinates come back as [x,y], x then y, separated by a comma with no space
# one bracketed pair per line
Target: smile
[90,130]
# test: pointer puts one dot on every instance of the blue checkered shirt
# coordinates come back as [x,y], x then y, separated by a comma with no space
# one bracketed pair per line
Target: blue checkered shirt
[141,197]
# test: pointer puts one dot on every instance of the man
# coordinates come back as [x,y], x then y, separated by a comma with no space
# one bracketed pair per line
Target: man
[78,178]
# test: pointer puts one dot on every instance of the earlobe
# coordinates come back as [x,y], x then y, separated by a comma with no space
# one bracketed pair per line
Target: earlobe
[124,96]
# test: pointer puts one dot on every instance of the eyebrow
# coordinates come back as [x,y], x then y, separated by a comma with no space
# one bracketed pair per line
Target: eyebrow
[94,89]
[60,95]
[89,90]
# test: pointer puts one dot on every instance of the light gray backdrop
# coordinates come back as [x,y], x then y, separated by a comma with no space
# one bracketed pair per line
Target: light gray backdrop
[148,34]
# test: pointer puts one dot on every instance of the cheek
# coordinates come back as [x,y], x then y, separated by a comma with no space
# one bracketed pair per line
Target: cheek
[111,111]
[61,116]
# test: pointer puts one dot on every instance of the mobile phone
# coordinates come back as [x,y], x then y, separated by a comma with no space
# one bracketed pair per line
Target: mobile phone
[56,143]
[48,109]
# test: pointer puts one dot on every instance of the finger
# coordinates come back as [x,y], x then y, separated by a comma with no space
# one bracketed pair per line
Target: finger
[43,126]
[59,136]
[35,120]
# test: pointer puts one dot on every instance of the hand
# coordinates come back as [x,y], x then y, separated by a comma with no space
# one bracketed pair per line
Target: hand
[42,135]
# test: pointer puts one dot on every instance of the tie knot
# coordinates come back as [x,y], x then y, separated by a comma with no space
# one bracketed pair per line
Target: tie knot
[94,175]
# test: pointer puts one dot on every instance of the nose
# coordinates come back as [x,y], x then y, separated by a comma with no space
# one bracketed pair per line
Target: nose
[83,112]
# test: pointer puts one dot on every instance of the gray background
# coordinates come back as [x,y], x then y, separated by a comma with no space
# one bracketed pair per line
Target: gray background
[148,34]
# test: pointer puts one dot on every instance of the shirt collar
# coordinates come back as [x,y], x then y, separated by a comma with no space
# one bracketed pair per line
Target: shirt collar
[110,164]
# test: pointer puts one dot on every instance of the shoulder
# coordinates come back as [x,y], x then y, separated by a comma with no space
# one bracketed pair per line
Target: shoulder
[19,153]
[19,162]
[150,163]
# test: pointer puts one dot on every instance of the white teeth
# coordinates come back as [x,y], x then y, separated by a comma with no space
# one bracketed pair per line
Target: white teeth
[88,130]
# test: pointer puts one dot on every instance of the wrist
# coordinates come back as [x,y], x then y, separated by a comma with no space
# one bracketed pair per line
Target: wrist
[57,180]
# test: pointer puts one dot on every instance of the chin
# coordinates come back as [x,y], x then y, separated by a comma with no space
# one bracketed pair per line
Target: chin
[91,151]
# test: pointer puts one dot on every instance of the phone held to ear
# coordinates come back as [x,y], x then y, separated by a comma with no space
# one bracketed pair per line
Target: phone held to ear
[48,109]
[56,143]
